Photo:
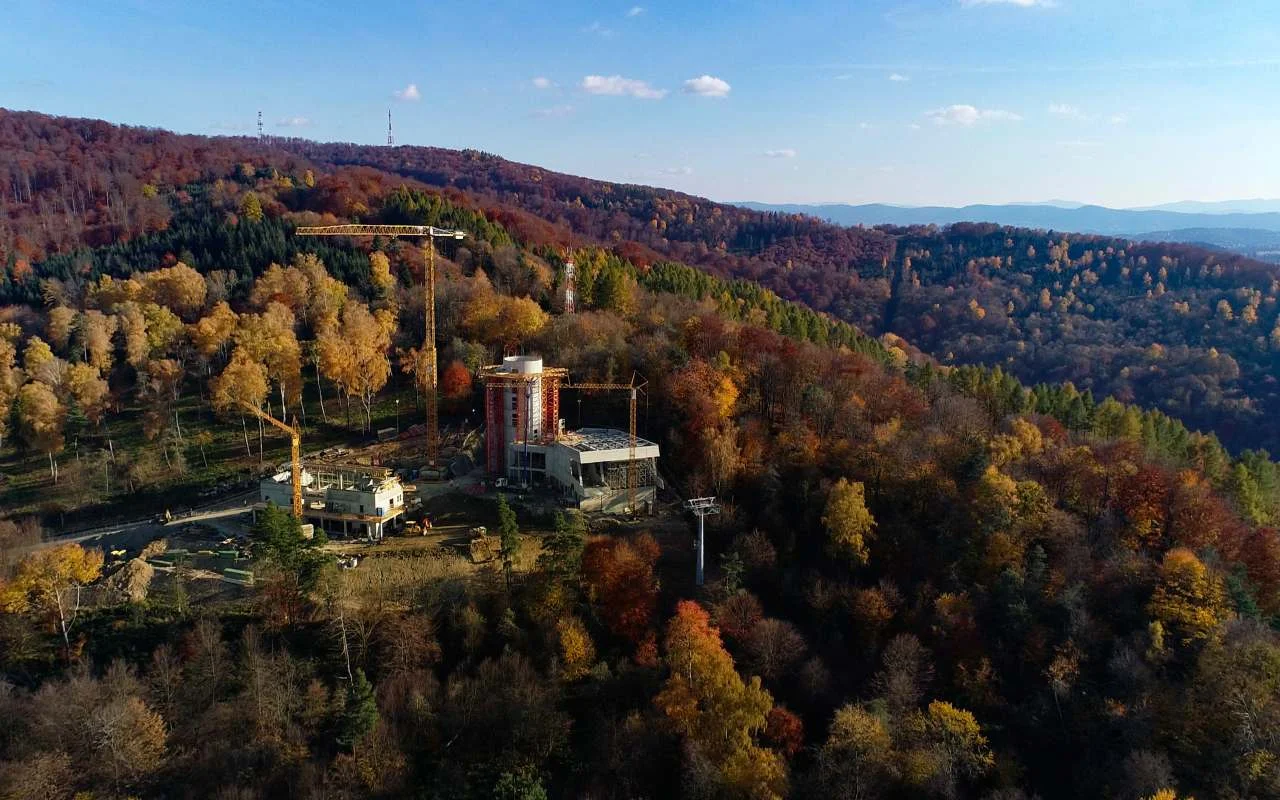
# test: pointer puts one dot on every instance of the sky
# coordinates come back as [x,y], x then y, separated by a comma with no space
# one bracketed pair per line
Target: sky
[948,102]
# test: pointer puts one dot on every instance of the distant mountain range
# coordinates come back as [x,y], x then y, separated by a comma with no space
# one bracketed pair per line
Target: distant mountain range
[1250,227]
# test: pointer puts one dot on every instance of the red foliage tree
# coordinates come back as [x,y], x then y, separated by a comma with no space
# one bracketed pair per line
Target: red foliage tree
[784,731]
[456,381]
[1260,554]
[620,575]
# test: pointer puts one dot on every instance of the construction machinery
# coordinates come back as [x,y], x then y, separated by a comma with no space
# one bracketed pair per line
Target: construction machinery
[295,454]
[633,389]
[430,364]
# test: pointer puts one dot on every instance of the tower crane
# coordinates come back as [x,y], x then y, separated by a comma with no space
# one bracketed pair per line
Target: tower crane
[295,457]
[636,386]
[429,341]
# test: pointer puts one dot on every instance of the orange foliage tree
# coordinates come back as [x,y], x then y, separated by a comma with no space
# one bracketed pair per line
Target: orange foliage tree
[718,713]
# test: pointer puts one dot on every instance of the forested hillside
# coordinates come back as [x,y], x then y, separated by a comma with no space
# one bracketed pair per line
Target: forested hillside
[1191,331]
[928,581]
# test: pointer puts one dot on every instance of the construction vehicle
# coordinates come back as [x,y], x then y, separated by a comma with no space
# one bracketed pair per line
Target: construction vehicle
[430,380]
[412,528]
[482,547]
[295,455]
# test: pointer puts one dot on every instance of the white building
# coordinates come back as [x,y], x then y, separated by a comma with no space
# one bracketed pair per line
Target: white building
[347,500]
[588,466]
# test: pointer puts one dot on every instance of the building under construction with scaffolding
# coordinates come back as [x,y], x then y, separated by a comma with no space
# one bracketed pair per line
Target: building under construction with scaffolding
[595,469]
[341,499]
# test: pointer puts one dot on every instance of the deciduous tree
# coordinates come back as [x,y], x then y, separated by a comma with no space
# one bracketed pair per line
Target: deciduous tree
[1189,599]
[41,419]
[51,581]
[849,524]
[718,713]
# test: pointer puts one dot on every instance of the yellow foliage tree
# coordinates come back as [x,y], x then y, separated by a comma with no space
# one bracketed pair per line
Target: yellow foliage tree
[51,581]
[857,759]
[577,651]
[355,355]
[725,396]
[89,391]
[270,340]
[179,288]
[384,283]
[36,355]
[133,326]
[848,521]
[98,330]
[244,380]
[211,332]
[10,380]
[41,417]
[1189,600]
[164,330]
[61,324]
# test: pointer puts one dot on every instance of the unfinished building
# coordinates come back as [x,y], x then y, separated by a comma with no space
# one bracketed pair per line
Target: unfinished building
[345,500]
[526,441]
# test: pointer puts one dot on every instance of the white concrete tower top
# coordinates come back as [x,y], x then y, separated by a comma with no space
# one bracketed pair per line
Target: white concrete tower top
[522,365]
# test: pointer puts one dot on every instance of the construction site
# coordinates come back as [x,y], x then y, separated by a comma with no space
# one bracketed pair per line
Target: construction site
[527,444]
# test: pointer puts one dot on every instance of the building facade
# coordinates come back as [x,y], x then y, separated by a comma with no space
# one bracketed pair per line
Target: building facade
[347,500]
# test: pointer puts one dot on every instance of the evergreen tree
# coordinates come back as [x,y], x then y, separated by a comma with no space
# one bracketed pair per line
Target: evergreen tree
[361,712]
[508,536]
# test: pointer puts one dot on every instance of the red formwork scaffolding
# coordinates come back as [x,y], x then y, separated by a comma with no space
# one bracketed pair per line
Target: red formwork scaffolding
[497,381]
[494,444]
[550,407]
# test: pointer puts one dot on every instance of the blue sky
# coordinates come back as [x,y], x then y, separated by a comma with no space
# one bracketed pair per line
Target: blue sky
[1118,102]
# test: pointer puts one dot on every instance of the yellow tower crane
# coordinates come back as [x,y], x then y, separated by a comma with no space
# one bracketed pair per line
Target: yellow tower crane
[633,388]
[295,455]
[429,339]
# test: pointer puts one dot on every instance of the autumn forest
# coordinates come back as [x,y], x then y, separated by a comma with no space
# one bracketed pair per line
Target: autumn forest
[998,514]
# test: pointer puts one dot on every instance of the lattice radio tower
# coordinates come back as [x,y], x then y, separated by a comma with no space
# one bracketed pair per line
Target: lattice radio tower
[391,140]
[261,137]
[570,286]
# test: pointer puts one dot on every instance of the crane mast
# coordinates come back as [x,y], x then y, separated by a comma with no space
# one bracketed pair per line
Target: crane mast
[431,366]
[295,454]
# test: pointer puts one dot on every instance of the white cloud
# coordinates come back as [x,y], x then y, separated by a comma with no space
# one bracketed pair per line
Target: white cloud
[230,127]
[553,111]
[293,122]
[618,86]
[864,126]
[542,83]
[596,27]
[785,152]
[635,11]
[913,126]
[707,86]
[1018,3]
[1065,110]
[409,93]
[1080,144]
[1119,119]
[898,78]
[969,115]
[846,76]
[676,171]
